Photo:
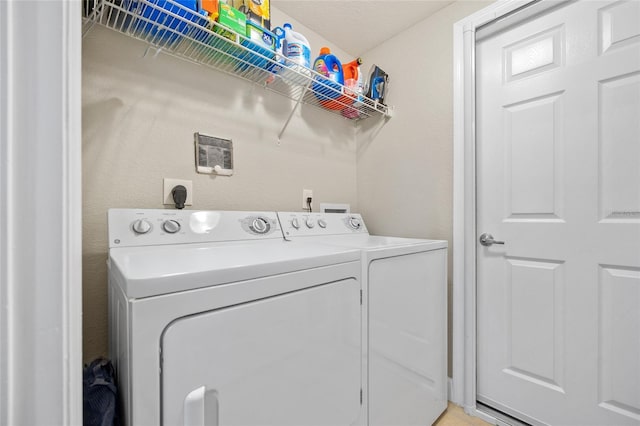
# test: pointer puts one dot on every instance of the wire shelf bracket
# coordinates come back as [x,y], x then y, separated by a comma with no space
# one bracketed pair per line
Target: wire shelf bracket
[293,110]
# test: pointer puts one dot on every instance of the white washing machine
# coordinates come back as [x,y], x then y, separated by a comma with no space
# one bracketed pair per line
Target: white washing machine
[405,290]
[216,320]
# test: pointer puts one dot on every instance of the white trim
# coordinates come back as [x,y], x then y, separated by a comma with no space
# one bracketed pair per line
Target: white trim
[40,213]
[484,416]
[464,207]
[72,215]
[5,325]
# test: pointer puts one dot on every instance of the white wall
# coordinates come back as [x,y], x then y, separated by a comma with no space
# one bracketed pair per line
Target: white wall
[139,116]
[405,167]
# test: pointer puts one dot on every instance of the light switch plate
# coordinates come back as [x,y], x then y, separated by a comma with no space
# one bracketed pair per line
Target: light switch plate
[167,186]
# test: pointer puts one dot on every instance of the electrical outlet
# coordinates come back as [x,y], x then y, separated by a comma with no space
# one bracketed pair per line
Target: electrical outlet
[168,185]
[306,193]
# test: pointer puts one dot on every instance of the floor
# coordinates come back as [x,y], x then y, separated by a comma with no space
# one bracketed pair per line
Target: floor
[455,416]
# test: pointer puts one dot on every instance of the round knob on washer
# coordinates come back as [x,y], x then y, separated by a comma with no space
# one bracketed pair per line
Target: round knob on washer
[295,223]
[260,225]
[310,223]
[171,226]
[355,223]
[141,226]
[322,223]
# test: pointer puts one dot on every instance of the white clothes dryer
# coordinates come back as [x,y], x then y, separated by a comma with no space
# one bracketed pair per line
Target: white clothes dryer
[405,293]
[216,320]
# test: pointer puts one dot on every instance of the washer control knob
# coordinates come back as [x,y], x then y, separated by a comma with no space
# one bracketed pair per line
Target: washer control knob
[141,226]
[322,223]
[260,226]
[355,223]
[310,223]
[171,226]
[295,223]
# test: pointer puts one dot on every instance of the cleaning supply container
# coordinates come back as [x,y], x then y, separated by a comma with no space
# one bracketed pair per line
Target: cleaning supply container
[354,87]
[278,32]
[230,24]
[352,75]
[257,11]
[296,48]
[328,90]
[262,42]
[166,28]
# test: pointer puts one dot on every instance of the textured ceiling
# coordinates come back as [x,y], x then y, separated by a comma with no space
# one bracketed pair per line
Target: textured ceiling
[357,26]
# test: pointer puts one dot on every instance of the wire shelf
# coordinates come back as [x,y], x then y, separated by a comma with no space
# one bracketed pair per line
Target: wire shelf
[175,30]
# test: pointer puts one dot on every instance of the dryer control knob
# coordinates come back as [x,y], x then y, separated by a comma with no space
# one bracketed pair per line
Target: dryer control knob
[355,223]
[260,226]
[310,223]
[322,223]
[171,226]
[295,223]
[141,226]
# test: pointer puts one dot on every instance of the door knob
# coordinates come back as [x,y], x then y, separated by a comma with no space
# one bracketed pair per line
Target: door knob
[487,240]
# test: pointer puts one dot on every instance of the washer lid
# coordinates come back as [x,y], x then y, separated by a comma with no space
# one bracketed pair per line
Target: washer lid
[154,270]
[370,242]
[374,246]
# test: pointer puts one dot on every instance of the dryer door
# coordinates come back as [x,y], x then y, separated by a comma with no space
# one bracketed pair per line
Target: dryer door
[408,338]
[292,359]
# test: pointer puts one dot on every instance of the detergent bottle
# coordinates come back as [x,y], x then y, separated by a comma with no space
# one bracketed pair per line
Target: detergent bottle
[329,66]
[329,88]
[354,87]
[296,47]
[353,77]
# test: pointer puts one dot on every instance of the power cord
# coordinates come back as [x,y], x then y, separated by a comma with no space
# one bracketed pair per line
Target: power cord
[309,204]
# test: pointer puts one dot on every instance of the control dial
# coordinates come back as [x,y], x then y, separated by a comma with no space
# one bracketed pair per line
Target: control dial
[322,223]
[141,226]
[295,223]
[171,226]
[260,226]
[310,224]
[355,223]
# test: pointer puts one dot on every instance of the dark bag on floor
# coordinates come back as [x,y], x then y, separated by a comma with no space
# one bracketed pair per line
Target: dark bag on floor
[100,394]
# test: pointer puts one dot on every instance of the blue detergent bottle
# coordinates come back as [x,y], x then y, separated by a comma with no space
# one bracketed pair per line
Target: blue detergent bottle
[329,88]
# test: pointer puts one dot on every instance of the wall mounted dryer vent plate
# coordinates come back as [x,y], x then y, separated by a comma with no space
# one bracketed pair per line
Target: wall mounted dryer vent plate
[213,155]
[168,184]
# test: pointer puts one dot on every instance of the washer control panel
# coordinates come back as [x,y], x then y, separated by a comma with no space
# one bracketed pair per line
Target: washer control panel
[316,224]
[144,227]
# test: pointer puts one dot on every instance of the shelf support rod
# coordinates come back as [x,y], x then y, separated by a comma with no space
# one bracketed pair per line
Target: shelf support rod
[286,124]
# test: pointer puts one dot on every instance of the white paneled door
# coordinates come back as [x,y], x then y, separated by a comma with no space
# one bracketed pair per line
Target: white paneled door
[558,180]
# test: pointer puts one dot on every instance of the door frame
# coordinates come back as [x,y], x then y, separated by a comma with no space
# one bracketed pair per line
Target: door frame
[40,213]
[463,383]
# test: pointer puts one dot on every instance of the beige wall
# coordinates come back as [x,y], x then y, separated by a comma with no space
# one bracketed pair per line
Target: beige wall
[405,167]
[139,116]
